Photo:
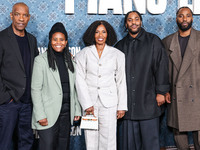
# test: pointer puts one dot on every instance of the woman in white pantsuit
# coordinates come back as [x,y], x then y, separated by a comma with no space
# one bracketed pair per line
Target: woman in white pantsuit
[101,84]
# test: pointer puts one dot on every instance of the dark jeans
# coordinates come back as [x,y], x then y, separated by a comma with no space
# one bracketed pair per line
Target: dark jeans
[16,116]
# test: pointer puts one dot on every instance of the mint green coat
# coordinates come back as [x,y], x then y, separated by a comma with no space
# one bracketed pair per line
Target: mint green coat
[47,95]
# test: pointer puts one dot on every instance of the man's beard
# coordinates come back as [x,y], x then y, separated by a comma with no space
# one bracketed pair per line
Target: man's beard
[134,32]
[184,28]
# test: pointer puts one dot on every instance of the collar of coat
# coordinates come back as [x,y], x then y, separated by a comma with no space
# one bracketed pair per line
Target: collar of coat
[191,43]
[139,37]
[180,63]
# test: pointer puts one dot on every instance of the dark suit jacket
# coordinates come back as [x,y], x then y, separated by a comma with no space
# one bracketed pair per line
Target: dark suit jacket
[12,72]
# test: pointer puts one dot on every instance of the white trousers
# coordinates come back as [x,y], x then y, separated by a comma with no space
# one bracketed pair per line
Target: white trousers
[105,137]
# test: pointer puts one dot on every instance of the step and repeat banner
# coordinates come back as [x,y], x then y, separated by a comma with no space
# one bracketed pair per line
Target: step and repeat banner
[159,17]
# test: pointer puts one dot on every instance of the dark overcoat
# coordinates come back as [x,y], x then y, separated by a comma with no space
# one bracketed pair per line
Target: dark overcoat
[146,74]
[184,74]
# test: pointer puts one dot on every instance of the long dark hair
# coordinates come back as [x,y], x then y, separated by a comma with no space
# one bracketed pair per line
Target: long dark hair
[52,58]
[88,37]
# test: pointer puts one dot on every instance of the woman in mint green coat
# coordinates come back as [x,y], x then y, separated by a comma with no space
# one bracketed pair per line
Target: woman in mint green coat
[55,104]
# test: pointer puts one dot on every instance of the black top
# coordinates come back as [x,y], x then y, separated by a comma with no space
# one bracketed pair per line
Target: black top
[146,74]
[64,76]
[26,57]
[183,41]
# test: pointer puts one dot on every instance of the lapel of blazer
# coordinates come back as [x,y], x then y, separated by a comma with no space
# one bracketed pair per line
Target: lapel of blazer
[105,51]
[93,50]
[175,54]
[55,72]
[32,50]
[15,46]
[56,76]
[189,53]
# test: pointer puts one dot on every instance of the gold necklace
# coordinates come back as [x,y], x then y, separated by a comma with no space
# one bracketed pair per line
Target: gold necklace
[100,51]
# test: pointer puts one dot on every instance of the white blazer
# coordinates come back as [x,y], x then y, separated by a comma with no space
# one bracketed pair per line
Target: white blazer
[104,77]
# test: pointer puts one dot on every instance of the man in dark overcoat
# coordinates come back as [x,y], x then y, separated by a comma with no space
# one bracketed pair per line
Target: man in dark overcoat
[147,83]
[183,49]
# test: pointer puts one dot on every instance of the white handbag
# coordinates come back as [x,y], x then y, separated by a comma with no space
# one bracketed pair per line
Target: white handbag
[89,122]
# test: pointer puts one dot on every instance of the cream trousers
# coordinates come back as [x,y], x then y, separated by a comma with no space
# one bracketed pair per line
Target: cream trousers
[105,137]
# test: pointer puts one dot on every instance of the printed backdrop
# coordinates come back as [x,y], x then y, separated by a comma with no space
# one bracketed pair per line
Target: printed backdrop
[44,13]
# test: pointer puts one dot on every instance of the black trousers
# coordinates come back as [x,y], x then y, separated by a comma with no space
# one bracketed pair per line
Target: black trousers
[138,135]
[58,136]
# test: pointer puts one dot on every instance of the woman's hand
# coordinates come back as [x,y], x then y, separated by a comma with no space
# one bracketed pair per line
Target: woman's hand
[90,111]
[76,118]
[120,114]
[43,122]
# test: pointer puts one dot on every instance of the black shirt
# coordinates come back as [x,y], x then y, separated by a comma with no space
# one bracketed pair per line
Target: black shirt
[183,41]
[64,76]
[26,57]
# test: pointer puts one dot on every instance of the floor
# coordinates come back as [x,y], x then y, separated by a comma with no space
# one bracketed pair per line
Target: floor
[173,148]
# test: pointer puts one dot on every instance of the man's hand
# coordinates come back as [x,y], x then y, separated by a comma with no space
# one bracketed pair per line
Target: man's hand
[167,98]
[43,122]
[160,99]
[120,114]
